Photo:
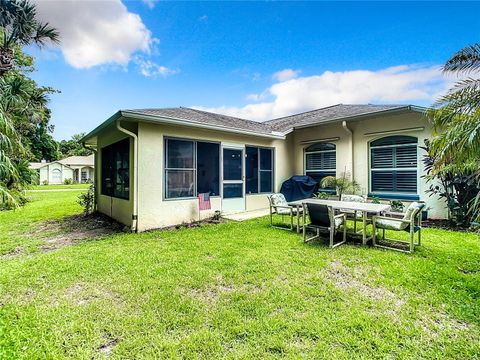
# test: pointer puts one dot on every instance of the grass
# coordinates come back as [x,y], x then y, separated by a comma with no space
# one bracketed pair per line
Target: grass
[235,290]
[62,186]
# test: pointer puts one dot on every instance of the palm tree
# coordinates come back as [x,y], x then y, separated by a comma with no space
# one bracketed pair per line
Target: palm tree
[19,26]
[456,119]
[456,116]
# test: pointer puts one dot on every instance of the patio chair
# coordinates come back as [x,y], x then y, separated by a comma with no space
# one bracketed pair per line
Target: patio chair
[279,206]
[323,218]
[410,222]
[352,214]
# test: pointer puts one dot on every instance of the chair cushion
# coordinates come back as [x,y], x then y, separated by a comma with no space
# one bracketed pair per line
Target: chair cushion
[353,198]
[410,210]
[338,222]
[278,200]
[391,224]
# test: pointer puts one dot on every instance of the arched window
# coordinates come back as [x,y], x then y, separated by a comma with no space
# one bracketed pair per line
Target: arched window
[393,165]
[320,160]
[56,176]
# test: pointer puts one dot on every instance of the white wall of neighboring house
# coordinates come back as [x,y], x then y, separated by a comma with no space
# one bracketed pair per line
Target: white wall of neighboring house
[63,172]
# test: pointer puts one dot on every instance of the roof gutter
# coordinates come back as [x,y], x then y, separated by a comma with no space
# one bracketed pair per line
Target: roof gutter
[350,146]
[196,124]
[135,174]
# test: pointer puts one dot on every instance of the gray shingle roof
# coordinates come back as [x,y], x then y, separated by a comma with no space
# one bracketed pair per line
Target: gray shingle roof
[327,114]
[200,116]
[271,128]
[78,160]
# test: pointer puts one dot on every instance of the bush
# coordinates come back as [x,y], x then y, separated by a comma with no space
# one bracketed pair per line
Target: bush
[397,205]
[459,188]
[321,195]
[45,182]
[87,200]
[375,200]
[68,181]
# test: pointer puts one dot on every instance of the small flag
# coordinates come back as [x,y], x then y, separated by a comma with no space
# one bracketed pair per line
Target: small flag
[204,201]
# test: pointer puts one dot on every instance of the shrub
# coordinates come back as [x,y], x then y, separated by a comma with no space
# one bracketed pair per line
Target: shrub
[459,188]
[87,200]
[68,181]
[343,185]
[375,200]
[321,195]
[397,205]
[45,182]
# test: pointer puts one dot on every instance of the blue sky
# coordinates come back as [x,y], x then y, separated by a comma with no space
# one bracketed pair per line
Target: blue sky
[251,59]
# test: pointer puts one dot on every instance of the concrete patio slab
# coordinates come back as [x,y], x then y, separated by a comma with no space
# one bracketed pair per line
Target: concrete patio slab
[246,215]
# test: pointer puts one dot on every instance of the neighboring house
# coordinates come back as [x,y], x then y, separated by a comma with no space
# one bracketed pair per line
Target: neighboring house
[152,163]
[80,169]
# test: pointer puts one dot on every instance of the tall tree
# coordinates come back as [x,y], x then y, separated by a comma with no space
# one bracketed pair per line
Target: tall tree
[23,105]
[455,147]
[19,26]
[456,116]
[73,147]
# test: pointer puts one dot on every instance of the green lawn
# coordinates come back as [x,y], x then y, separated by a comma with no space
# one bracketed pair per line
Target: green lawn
[57,187]
[235,290]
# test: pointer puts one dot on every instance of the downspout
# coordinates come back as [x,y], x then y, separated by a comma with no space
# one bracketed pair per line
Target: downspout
[350,132]
[96,177]
[135,174]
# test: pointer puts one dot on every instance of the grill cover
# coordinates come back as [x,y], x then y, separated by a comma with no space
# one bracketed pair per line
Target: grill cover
[299,187]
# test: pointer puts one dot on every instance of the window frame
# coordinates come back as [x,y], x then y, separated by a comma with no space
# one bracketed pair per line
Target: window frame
[114,145]
[305,170]
[259,170]
[195,185]
[395,193]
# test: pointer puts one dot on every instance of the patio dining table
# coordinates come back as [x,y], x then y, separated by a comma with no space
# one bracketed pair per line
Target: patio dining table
[366,208]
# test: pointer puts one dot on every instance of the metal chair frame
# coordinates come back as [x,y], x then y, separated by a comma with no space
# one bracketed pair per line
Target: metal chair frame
[414,226]
[332,230]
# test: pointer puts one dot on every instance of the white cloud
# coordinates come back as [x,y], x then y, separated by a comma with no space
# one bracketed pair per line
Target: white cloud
[96,32]
[149,68]
[285,74]
[149,3]
[399,84]
[203,18]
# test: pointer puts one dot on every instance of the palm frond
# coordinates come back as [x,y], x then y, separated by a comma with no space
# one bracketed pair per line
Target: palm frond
[463,98]
[466,60]
[45,32]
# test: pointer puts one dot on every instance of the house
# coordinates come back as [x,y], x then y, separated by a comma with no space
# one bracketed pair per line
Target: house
[80,169]
[152,163]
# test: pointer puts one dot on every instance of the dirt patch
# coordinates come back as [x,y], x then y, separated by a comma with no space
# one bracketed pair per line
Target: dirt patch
[212,293]
[443,224]
[83,294]
[75,229]
[436,322]
[350,279]
[12,254]
[191,225]
[107,348]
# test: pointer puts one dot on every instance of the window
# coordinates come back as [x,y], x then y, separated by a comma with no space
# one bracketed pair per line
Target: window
[321,161]
[115,169]
[84,176]
[208,168]
[393,164]
[259,170]
[56,176]
[191,167]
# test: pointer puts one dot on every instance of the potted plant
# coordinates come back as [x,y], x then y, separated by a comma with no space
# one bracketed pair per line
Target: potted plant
[397,205]
[341,184]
